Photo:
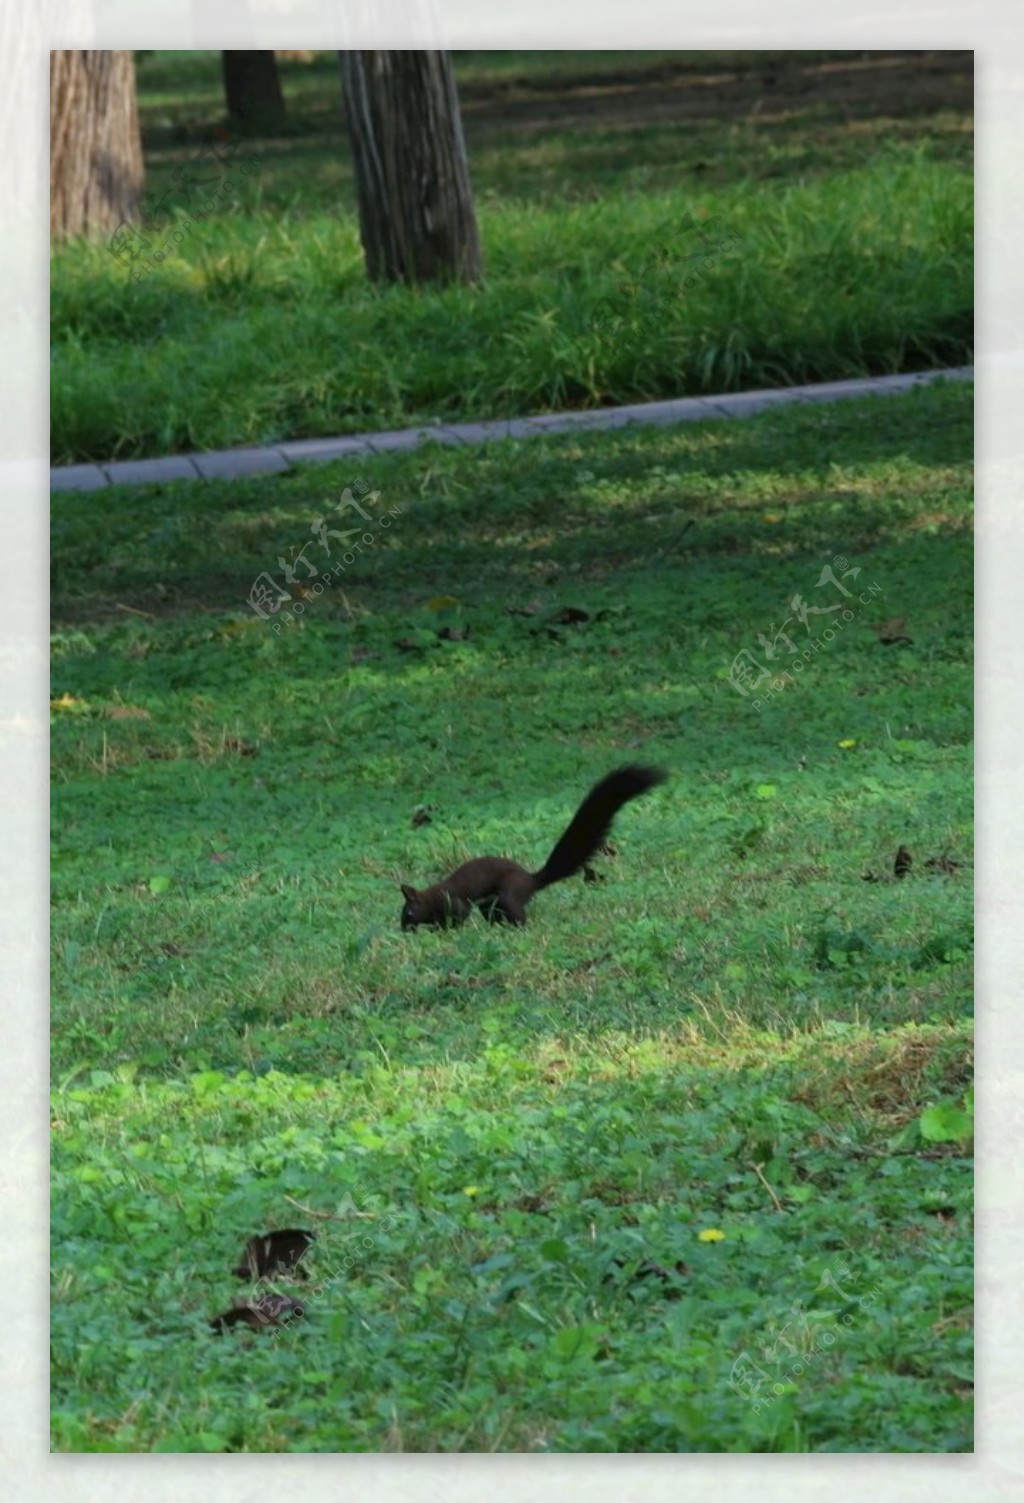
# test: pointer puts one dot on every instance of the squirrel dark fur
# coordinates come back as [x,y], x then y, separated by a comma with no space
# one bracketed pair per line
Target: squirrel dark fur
[501,889]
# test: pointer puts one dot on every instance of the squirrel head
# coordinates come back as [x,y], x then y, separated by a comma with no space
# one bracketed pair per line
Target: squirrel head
[415,909]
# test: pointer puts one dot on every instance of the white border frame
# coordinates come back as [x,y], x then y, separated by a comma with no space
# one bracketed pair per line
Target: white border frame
[28,31]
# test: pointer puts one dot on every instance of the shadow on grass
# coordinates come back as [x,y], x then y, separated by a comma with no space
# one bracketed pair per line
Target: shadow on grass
[785,486]
[574,122]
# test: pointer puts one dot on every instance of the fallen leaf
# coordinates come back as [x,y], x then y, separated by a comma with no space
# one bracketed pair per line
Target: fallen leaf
[892,630]
[69,705]
[126,712]
[239,628]
[531,1203]
[441,603]
[942,863]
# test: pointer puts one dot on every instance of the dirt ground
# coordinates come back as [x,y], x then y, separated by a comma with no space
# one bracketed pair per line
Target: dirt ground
[897,85]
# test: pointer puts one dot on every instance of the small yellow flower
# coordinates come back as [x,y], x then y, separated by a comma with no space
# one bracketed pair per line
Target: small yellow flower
[711,1234]
[847,744]
[471,1190]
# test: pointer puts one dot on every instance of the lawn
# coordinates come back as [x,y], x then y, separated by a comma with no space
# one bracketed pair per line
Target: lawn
[683,1165]
[654,225]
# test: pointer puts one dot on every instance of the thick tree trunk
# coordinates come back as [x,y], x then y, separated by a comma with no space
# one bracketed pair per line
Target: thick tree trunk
[96,172]
[252,88]
[416,215]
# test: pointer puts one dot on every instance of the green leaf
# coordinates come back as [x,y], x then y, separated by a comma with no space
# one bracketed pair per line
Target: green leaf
[207,1082]
[554,1251]
[946,1122]
[575,1342]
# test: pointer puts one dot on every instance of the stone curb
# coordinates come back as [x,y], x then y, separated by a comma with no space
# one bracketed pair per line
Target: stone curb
[226,463]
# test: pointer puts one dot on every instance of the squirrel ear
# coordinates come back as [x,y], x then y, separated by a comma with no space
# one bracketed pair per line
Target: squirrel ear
[407,892]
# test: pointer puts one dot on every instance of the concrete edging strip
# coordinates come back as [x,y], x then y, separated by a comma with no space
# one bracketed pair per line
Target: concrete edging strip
[276,458]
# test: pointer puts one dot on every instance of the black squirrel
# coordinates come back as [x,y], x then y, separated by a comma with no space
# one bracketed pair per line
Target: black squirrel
[501,889]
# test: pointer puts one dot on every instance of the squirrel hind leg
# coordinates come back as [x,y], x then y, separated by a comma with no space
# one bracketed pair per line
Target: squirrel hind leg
[507,910]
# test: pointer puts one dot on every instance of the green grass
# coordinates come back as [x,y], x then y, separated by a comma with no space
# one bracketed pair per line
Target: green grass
[846,185]
[732,1032]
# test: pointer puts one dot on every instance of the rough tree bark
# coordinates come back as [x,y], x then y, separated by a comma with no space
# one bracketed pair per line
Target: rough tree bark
[416,216]
[252,88]
[96,172]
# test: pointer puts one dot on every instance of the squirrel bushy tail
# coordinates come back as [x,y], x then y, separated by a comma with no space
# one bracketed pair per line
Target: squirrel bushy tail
[593,819]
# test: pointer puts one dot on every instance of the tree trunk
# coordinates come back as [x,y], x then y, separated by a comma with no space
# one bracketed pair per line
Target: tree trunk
[96,172]
[252,88]
[416,215]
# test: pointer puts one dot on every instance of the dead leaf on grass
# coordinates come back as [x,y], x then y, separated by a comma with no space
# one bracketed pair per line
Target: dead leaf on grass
[892,630]
[943,863]
[126,712]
